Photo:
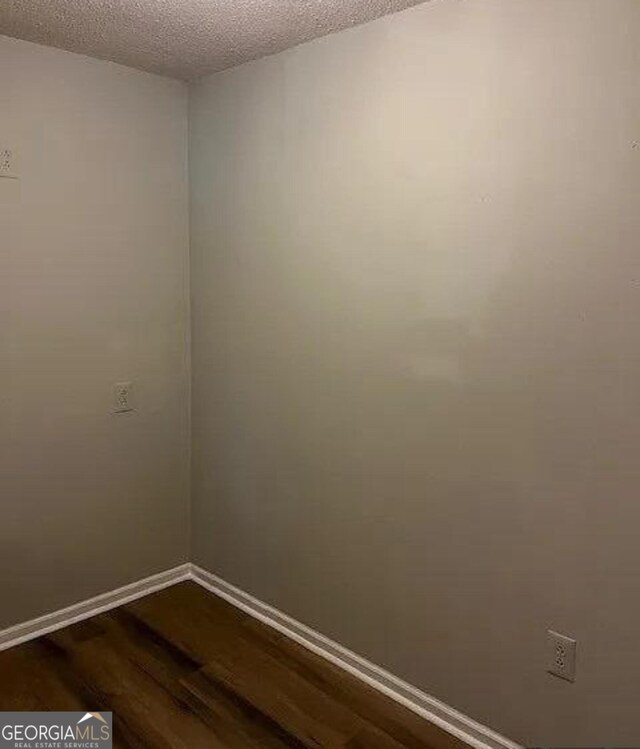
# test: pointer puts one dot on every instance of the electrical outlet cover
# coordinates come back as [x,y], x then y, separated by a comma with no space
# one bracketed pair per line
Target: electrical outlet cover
[561,655]
[122,397]
[8,163]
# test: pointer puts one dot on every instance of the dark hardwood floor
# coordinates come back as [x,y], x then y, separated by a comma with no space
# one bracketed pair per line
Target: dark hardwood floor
[183,669]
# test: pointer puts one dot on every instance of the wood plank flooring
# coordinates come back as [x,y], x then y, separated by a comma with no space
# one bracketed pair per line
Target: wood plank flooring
[183,669]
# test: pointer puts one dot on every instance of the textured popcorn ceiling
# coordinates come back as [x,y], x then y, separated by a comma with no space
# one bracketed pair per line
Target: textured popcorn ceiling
[183,38]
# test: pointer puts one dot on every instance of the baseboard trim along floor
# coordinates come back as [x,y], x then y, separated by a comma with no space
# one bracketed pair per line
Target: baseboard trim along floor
[430,708]
[20,633]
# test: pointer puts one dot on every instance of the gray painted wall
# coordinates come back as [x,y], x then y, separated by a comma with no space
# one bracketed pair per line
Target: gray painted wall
[415,358]
[93,290]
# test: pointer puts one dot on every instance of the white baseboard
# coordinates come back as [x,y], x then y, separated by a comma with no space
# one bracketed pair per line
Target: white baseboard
[86,609]
[430,708]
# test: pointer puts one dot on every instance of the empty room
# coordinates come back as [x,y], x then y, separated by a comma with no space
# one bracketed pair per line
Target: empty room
[319,374]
